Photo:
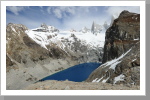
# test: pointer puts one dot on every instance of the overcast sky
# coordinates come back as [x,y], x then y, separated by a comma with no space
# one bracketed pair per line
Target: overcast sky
[63,17]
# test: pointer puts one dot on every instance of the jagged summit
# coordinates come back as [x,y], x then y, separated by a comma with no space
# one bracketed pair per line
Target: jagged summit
[85,30]
[16,26]
[46,28]
[126,13]
[96,28]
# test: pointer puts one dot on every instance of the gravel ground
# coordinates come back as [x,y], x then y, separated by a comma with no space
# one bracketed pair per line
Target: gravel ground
[69,85]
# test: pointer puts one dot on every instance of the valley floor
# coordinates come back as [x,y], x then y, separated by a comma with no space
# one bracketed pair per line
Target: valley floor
[69,85]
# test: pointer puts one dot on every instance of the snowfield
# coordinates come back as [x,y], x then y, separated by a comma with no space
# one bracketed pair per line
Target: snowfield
[46,38]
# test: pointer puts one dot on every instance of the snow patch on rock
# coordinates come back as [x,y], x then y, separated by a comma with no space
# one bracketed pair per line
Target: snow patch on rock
[119,78]
[115,61]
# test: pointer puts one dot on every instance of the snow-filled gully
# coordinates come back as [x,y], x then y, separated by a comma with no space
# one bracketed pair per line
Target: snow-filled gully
[112,65]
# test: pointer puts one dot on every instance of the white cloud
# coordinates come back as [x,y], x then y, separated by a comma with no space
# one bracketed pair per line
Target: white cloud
[58,13]
[78,22]
[84,16]
[61,11]
[76,17]
[49,10]
[65,11]
[15,9]
[116,10]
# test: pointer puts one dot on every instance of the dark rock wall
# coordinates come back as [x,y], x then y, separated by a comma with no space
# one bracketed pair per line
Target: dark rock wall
[121,35]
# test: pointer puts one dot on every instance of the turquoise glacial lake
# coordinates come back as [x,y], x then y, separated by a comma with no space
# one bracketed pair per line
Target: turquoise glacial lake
[77,73]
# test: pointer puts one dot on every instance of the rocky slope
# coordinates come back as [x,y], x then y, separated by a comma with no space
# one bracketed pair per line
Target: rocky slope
[121,59]
[32,54]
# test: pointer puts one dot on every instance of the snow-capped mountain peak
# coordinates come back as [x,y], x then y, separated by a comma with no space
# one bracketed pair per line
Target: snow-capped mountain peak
[98,29]
[45,35]
[85,30]
[46,28]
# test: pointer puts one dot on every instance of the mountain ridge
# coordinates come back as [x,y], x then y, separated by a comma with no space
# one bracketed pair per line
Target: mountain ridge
[45,51]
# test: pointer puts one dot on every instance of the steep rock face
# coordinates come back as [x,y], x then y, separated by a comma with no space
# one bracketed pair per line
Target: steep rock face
[121,58]
[122,35]
[96,28]
[20,47]
[124,69]
[14,38]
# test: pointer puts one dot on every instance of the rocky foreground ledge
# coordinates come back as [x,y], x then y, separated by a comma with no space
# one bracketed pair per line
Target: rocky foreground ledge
[69,85]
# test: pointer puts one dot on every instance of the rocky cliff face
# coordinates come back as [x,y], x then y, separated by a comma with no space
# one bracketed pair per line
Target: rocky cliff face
[121,58]
[122,35]
[20,48]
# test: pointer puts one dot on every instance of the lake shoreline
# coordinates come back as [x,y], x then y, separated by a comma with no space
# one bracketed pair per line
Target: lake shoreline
[76,73]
